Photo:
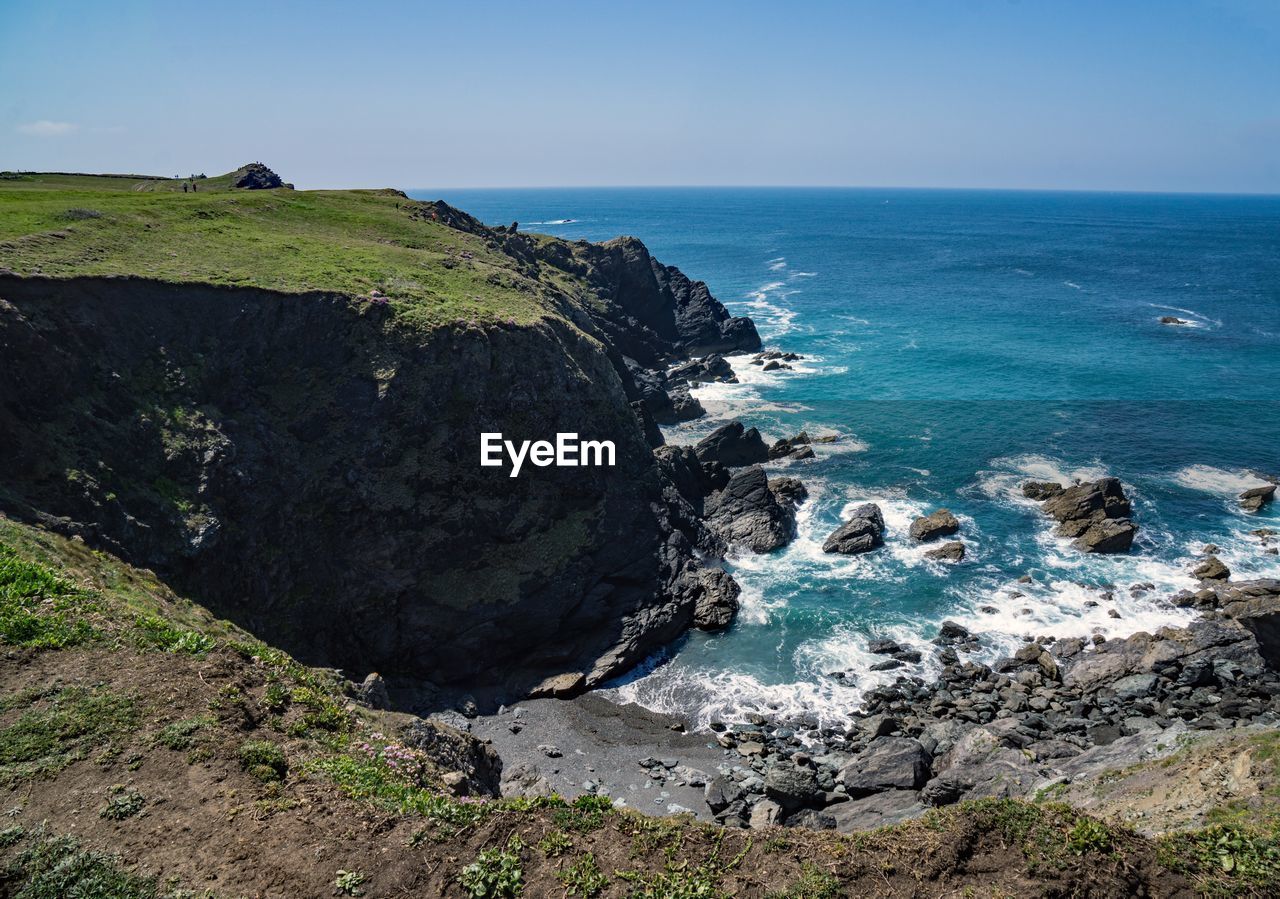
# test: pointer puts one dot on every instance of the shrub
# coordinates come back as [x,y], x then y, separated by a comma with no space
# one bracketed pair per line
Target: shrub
[495,874]
[121,806]
[264,760]
[584,878]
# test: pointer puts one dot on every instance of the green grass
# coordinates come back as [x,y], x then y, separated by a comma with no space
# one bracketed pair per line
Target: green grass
[63,727]
[59,868]
[264,760]
[349,242]
[38,608]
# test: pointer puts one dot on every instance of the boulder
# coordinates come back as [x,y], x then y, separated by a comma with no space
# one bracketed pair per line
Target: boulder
[1211,569]
[1173,320]
[951,551]
[747,513]
[1256,606]
[878,810]
[792,786]
[715,598]
[373,692]
[732,445]
[1255,498]
[765,813]
[888,763]
[812,819]
[930,527]
[863,532]
[1094,513]
[255,176]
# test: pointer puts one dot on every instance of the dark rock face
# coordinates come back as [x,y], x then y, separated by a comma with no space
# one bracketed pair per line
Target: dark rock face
[650,311]
[940,524]
[748,513]
[1255,498]
[1173,320]
[1095,513]
[863,532]
[298,467]
[255,176]
[478,764]
[733,445]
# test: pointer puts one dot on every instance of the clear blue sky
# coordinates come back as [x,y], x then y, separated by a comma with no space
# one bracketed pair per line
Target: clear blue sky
[1122,95]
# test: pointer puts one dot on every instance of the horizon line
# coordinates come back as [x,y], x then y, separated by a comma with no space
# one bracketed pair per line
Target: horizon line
[1064,190]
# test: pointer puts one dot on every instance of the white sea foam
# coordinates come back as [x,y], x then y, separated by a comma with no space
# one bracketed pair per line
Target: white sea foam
[1198,319]
[1073,285]
[777,265]
[1208,479]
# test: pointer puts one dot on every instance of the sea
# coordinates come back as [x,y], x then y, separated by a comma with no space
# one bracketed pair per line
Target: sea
[958,343]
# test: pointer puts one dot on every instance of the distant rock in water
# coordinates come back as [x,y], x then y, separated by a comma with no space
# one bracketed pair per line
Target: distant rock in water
[1255,498]
[256,176]
[1173,320]
[951,551]
[1095,513]
[733,445]
[861,533]
[930,527]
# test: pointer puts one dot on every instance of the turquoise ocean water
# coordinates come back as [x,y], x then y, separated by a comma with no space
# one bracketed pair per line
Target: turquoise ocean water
[961,342]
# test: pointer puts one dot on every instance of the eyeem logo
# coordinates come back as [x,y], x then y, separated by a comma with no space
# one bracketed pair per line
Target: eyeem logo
[567,452]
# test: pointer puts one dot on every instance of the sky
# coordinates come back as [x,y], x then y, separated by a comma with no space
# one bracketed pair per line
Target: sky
[1166,95]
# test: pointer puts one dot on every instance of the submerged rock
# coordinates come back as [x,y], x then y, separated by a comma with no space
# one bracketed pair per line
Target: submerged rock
[863,532]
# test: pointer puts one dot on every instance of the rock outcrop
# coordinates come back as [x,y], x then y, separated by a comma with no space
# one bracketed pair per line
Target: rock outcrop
[753,513]
[1095,513]
[310,470]
[733,445]
[1253,499]
[256,176]
[863,532]
[930,527]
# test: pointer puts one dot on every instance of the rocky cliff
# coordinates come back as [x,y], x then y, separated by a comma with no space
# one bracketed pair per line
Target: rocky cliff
[307,465]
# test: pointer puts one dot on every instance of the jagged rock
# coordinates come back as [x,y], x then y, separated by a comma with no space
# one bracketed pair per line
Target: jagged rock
[789,490]
[255,176]
[1173,320]
[863,532]
[373,692]
[733,445]
[951,633]
[888,763]
[1256,606]
[1255,498]
[684,405]
[1095,513]
[940,524]
[715,598]
[720,792]
[747,513]
[1211,569]
[709,369]
[951,551]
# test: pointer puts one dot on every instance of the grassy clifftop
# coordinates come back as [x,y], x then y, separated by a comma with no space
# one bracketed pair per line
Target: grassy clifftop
[344,241]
